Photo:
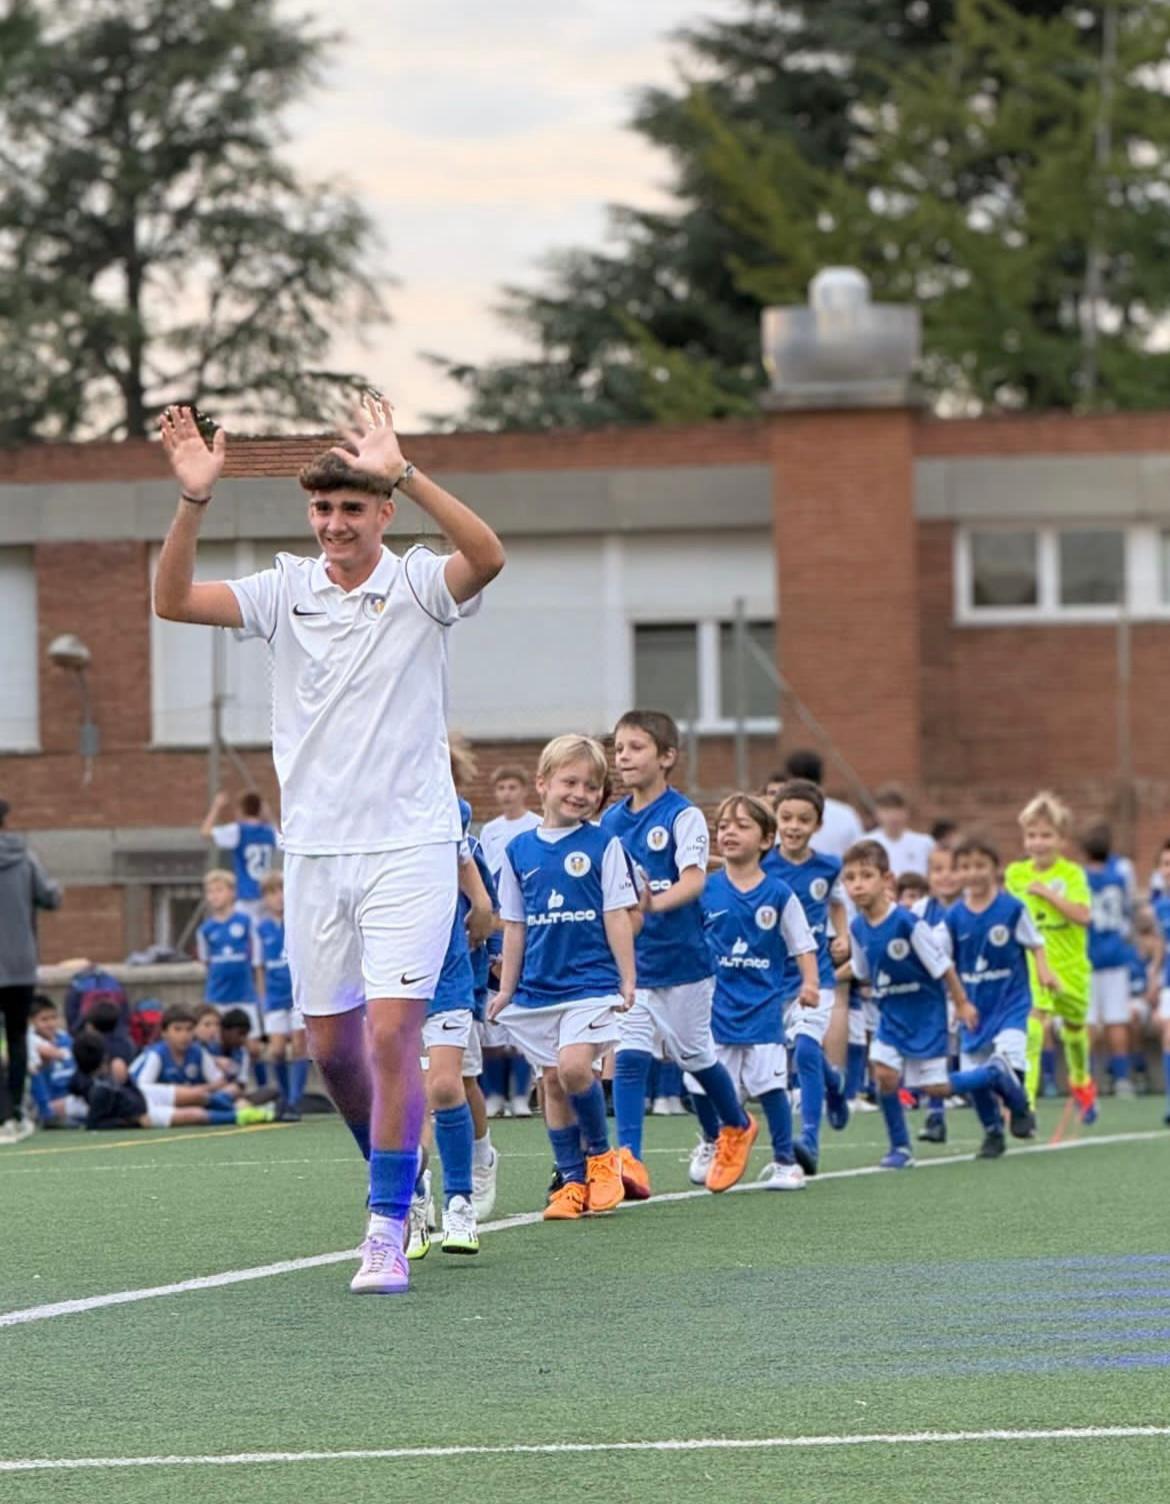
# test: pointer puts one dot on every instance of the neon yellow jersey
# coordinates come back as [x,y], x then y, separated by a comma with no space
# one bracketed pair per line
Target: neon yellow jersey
[1066,944]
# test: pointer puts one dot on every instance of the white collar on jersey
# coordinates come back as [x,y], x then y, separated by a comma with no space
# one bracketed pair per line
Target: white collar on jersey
[378,583]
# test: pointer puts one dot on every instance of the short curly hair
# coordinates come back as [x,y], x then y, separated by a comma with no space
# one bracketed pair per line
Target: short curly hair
[331,472]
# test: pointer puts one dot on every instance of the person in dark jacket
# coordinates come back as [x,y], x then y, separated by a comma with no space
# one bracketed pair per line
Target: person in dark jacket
[24,888]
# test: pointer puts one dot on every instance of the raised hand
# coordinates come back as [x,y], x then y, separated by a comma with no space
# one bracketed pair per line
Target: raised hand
[196,467]
[370,441]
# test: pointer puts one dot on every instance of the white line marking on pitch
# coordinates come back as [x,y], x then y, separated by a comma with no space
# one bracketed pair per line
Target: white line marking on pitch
[503,1224]
[697,1444]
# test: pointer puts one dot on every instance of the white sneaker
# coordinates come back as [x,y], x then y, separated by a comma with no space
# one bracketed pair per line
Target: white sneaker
[778,1177]
[483,1187]
[660,1108]
[1124,1088]
[674,1107]
[418,1226]
[16,1130]
[521,1107]
[460,1234]
[8,1133]
[384,1270]
[495,1106]
[863,1104]
[702,1158]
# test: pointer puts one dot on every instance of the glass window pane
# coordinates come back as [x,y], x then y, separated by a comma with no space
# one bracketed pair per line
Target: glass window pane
[666,667]
[761,697]
[1004,569]
[1092,567]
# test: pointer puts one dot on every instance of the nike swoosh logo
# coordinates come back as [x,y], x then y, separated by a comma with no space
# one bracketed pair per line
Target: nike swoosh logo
[298,612]
[604,1023]
[525,876]
[412,981]
[718,914]
[447,1028]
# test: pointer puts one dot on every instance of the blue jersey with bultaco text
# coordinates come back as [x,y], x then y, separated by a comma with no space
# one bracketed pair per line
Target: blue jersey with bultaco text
[990,948]
[559,885]
[230,949]
[752,937]
[902,961]
[664,839]
[277,977]
[814,882]
[1111,888]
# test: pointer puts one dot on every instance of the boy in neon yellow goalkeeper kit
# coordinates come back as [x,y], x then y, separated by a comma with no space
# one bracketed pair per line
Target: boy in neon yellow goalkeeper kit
[1056,892]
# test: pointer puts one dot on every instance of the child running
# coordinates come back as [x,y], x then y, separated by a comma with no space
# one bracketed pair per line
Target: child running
[668,839]
[566,891]
[756,929]
[1057,894]
[912,978]
[816,881]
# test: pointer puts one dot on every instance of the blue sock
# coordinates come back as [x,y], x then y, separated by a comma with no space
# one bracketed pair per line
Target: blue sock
[721,1094]
[987,1109]
[495,1076]
[1119,1067]
[891,1106]
[1166,1073]
[631,1071]
[707,1116]
[220,1101]
[521,1074]
[1048,1066]
[281,1069]
[361,1133]
[854,1070]
[219,1116]
[978,1078]
[810,1076]
[298,1078]
[589,1110]
[568,1153]
[670,1079]
[454,1137]
[1137,1063]
[778,1110]
[260,1071]
[392,1177]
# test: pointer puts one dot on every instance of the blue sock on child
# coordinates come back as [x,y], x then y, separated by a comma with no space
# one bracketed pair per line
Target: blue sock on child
[854,1071]
[1119,1068]
[987,1109]
[521,1076]
[219,1117]
[298,1079]
[568,1153]
[891,1105]
[494,1079]
[707,1116]
[721,1093]
[392,1176]
[810,1076]
[589,1110]
[631,1071]
[281,1069]
[777,1106]
[1047,1068]
[454,1137]
[670,1081]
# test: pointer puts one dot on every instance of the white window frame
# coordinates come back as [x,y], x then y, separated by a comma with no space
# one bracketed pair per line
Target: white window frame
[30,654]
[1142,575]
[710,722]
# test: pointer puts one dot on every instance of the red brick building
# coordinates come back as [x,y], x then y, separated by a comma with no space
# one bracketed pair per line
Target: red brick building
[975,608]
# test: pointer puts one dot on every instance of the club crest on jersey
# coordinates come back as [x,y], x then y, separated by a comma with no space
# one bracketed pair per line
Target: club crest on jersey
[236,931]
[998,934]
[766,916]
[898,949]
[818,888]
[577,864]
[658,838]
[374,605]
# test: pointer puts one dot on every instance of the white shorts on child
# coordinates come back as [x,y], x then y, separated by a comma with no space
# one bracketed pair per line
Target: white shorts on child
[932,1072]
[755,1069]
[812,1022]
[1109,1000]
[1012,1044]
[856,1026]
[160,1104]
[674,1022]
[455,1029]
[251,1009]
[1164,1005]
[542,1033]
[368,924]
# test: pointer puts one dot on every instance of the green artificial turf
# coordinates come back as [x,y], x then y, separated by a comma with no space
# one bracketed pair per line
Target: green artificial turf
[1033,1292]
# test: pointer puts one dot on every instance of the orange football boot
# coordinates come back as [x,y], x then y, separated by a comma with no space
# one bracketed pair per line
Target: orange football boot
[604,1176]
[732,1148]
[635,1177]
[567,1202]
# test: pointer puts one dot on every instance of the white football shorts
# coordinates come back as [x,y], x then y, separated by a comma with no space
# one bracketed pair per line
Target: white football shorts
[932,1072]
[1109,997]
[814,1022]
[542,1033]
[755,1069]
[368,925]
[674,1022]
[455,1029]
[1012,1044]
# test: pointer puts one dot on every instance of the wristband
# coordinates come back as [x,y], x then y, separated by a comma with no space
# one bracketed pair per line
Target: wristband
[407,474]
[196,501]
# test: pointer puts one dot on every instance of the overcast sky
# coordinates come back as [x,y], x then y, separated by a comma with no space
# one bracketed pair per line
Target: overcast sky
[480,137]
